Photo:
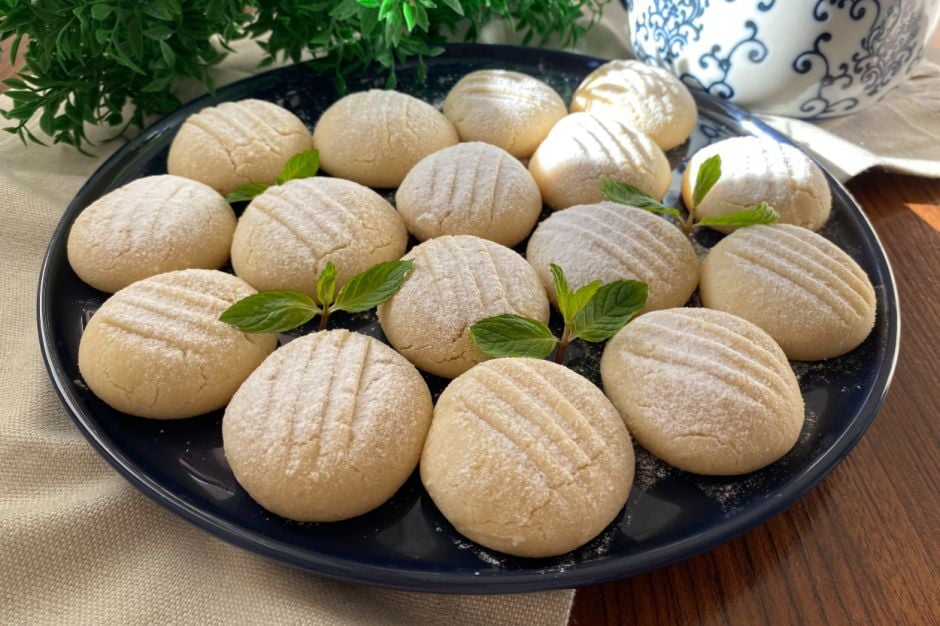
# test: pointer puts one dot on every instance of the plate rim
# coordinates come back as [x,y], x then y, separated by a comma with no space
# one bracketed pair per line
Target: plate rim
[504,581]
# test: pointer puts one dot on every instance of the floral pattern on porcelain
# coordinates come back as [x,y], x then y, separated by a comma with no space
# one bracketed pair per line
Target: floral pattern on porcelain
[807,59]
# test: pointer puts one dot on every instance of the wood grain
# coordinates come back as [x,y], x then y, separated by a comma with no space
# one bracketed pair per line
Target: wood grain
[863,547]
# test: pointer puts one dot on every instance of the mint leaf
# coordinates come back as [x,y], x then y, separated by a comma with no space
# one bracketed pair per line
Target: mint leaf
[611,307]
[302,165]
[513,336]
[372,287]
[271,312]
[622,193]
[248,191]
[562,292]
[326,285]
[708,174]
[581,297]
[571,302]
[761,213]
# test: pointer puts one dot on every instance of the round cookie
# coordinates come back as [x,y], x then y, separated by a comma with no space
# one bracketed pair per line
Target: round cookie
[470,189]
[328,427]
[585,148]
[609,241]
[649,99]
[288,233]
[455,282]
[507,109]
[157,348]
[800,288]
[527,457]
[234,143]
[150,226]
[375,137]
[705,391]
[756,170]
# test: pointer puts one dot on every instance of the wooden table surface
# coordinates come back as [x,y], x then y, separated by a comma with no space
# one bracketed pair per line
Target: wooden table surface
[863,547]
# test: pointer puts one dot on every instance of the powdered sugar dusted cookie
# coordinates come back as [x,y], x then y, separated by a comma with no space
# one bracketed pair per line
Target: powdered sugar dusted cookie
[287,234]
[328,427]
[470,189]
[234,143]
[607,242]
[526,457]
[455,282]
[375,137]
[756,169]
[704,390]
[649,99]
[799,287]
[157,348]
[507,109]
[585,148]
[149,226]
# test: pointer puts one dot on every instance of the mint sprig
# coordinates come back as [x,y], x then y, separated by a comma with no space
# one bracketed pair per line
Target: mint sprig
[708,174]
[513,335]
[283,310]
[593,313]
[302,165]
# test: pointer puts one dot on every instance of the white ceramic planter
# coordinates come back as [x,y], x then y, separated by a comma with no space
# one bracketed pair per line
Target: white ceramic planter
[803,58]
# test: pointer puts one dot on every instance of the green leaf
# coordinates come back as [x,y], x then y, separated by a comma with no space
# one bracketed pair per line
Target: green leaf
[169,57]
[326,285]
[271,312]
[409,13]
[158,11]
[372,287]
[513,336]
[611,307]
[248,191]
[708,174]
[101,12]
[622,193]
[159,33]
[581,297]
[562,291]
[570,302]
[455,6]
[761,213]
[302,165]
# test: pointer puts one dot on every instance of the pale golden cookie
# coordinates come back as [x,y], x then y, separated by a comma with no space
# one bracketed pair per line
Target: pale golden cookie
[507,109]
[705,391]
[526,457]
[375,137]
[287,235]
[649,99]
[608,242]
[157,348]
[585,148]
[470,189]
[800,288]
[328,427]
[457,281]
[150,226]
[234,143]
[756,170]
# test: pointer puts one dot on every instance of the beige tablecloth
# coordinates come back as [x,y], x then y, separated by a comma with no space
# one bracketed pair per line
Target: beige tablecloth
[80,545]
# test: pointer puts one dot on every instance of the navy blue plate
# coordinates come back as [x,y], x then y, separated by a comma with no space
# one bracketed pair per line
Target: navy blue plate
[406,543]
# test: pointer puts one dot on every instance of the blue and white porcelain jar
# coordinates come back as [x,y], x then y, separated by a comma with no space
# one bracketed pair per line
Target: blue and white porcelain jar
[803,58]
